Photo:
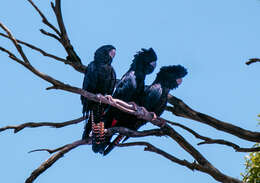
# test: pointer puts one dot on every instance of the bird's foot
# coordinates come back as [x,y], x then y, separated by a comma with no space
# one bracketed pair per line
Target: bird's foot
[109,98]
[154,116]
[134,105]
[99,98]
[140,112]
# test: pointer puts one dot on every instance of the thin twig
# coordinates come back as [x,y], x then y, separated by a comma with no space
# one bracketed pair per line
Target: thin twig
[50,35]
[18,47]
[42,124]
[44,19]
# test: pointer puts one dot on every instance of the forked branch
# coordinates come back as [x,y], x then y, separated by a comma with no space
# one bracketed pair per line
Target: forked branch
[61,35]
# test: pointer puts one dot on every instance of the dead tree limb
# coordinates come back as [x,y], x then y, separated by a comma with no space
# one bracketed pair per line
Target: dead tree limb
[181,109]
[44,53]
[20,127]
[207,140]
[61,34]
[48,163]
[192,166]
[252,60]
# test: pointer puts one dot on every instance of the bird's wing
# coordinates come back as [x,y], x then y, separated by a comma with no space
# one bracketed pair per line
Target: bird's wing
[126,87]
[89,84]
[152,95]
[113,81]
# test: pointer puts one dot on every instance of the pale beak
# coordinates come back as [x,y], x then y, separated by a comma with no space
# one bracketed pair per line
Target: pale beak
[153,64]
[112,53]
[179,81]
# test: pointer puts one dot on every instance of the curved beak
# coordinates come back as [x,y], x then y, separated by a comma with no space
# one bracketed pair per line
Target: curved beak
[179,81]
[112,53]
[153,64]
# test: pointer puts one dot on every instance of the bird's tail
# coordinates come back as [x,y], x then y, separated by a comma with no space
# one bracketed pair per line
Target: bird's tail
[98,129]
[112,145]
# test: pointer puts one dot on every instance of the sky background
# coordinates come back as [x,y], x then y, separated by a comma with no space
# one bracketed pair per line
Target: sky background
[212,39]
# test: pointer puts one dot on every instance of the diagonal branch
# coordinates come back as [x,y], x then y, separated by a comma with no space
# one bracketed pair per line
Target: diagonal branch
[18,47]
[44,19]
[61,36]
[183,110]
[48,163]
[41,124]
[44,53]
[192,166]
[149,147]
[208,140]
[50,35]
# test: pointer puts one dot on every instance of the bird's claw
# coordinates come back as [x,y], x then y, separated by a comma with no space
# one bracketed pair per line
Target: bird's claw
[109,97]
[99,98]
[154,116]
[134,105]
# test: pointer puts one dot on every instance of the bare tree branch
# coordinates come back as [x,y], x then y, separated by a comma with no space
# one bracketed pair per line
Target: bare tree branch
[50,35]
[192,166]
[208,140]
[62,35]
[252,60]
[41,124]
[44,19]
[44,53]
[151,148]
[48,163]
[110,132]
[183,110]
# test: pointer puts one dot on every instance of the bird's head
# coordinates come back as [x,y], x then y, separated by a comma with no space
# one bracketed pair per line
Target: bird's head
[171,76]
[145,61]
[105,54]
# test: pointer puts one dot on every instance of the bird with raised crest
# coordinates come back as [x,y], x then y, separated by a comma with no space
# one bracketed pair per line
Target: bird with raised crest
[130,87]
[154,98]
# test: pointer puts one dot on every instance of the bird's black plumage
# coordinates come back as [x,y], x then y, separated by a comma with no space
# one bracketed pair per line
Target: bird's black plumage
[154,98]
[100,78]
[131,86]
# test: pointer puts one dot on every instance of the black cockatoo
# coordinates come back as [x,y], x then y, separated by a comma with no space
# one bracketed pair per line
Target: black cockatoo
[130,87]
[154,98]
[100,78]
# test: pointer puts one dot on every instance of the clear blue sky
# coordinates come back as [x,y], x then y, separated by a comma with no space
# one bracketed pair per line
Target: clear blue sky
[213,39]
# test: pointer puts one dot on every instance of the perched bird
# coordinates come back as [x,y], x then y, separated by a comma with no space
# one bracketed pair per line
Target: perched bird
[154,98]
[100,78]
[130,87]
